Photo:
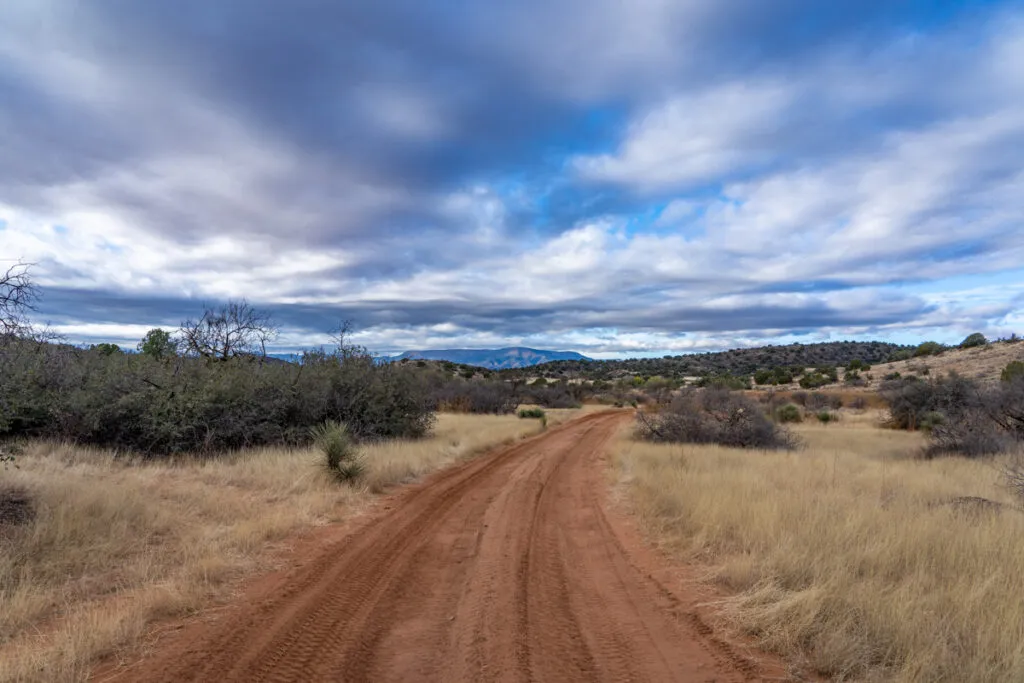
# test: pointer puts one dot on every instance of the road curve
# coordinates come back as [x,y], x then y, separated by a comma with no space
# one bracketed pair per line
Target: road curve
[505,568]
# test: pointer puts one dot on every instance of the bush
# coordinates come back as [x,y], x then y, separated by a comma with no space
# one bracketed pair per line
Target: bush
[973,340]
[789,413]
[556,395]
[724,381]
[960,416]
[800,398]
[1014,371]
[341,458]
[532,413]
[825,417]
[476,396]
[775,376]
[138,403]
[814,380]
[853,378]
[714,416]
[819,401]
[929,348]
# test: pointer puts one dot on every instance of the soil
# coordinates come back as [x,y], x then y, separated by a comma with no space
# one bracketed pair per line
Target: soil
[510,567]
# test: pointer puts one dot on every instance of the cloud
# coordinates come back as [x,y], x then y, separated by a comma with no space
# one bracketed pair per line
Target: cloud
[680,174]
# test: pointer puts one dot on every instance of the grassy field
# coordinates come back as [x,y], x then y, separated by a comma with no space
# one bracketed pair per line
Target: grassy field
[847,556]
[115,545]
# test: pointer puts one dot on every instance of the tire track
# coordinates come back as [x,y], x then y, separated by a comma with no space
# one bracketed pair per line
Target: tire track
[504,568]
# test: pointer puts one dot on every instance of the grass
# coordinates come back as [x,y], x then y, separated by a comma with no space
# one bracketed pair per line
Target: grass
[844,556]
[115,545]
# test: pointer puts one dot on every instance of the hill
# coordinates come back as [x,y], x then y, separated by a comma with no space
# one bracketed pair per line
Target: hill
[495,359]
[736,361]
[984,363]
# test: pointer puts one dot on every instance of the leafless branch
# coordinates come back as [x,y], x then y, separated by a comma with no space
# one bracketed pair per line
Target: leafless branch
[233,329]
[18,295]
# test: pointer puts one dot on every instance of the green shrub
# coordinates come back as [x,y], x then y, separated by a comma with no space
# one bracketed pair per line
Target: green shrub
[532,413]
[137,403]
[825,417]
[929,348]
[1013,371]
[789,413]
[724,381]
[816,379]
[341,457]
[972,340]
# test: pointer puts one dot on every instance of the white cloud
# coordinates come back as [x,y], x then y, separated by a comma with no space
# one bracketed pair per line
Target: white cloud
[696,138]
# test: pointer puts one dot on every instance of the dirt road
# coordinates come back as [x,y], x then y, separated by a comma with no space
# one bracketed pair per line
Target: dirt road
[506,568]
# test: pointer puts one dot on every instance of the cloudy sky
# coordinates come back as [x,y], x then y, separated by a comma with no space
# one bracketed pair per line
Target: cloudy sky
[612,177]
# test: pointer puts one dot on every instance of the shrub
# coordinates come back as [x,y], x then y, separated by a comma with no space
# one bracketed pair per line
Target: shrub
[857,364]
[775,376]
[789,413]
[714,416]
[557,395]
[531,413]
[825,417]
[1014,371]
[854,379]
[814,380]
[341,458]
[476,396]
[800,398]
[137,403]
[891,376]
[972,340]
[960,416]
[724,381]
[902,354]
[929,348]
[859,403]
[819,401]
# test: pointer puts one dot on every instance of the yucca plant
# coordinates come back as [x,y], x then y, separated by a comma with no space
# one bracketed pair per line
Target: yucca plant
[341,457]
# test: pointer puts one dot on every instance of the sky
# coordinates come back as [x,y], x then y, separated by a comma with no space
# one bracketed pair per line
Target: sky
[616,178]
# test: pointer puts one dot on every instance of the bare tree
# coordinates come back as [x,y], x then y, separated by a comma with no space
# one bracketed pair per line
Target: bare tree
[342,338]
[233,329]
[17,296]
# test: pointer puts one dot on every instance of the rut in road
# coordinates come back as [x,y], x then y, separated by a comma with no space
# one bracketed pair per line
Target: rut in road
[505,568]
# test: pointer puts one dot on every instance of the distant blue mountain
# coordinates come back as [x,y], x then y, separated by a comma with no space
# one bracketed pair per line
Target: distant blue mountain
[494,359]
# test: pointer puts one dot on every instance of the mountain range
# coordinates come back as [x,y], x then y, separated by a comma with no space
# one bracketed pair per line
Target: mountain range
[494,359]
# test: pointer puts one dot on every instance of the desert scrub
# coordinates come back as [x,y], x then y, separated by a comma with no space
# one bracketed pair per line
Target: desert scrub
[789,413]
[532,413]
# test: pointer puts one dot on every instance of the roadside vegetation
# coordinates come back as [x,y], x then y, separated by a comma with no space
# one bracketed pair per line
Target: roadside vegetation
[888,547]
[103,545]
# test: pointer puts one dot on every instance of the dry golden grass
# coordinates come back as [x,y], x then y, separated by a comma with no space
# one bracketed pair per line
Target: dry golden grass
[981,362]
[843,556]
[116,545]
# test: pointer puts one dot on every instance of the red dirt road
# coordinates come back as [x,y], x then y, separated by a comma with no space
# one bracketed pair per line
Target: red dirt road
[505,568]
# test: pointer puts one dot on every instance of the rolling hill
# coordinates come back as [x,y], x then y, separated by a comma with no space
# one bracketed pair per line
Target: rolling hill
[494,359]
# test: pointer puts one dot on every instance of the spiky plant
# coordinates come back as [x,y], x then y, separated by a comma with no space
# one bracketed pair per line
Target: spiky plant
[341,456]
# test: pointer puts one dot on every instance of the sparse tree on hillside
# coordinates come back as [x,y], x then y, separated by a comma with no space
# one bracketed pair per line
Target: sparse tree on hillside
[17,295]
[233,329]
[972,340]
[158,344]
